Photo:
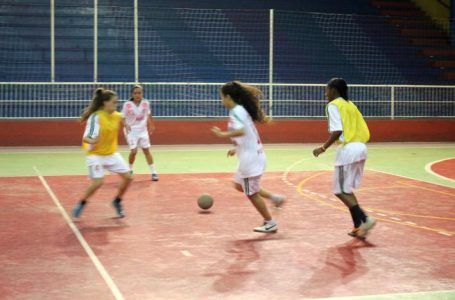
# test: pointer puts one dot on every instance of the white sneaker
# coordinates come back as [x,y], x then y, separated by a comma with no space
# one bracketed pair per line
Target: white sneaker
[266,227]
[278,200]
[365,227]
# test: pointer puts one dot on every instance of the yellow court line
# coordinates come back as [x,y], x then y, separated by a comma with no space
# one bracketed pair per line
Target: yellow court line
[382,188]
[404,185]
[301,184]
[424,188]
[300,187]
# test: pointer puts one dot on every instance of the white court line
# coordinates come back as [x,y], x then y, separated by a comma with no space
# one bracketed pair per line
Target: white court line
[415,179]
[187,253]
[444,233]
[391,296]
[284,177]
[107,278]
[429,170]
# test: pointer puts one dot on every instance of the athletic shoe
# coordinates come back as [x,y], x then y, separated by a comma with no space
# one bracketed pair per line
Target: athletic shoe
[118,208]
[354,232]
[267,228]
[155,177]
[77,210]
[278,200]
[366,227]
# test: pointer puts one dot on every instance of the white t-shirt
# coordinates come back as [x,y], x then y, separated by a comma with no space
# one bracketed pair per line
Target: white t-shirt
[136,115]
[347,153]
[249,148]
[92,129]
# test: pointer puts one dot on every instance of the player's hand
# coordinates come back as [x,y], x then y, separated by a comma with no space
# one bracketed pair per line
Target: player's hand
[91,141]
[318,151]
[217,131]
[127,128]
[231,152]
[151,129]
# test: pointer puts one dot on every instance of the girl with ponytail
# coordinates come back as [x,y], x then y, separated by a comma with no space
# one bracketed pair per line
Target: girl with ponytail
[243,102]
[100,142]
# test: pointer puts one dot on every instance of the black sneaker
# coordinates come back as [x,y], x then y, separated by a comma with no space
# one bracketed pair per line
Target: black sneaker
[118,208]
[77,210]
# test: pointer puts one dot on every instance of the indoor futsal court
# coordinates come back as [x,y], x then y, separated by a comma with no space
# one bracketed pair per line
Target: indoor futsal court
[168,248]
[238,150]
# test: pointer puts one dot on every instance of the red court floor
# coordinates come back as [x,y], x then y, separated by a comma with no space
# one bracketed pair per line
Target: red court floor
[167,249]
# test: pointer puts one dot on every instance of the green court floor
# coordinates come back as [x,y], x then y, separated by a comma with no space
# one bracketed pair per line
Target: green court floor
[400,159]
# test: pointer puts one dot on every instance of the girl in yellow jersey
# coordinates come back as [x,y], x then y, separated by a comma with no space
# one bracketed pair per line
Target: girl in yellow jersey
[100,142]
[348,129]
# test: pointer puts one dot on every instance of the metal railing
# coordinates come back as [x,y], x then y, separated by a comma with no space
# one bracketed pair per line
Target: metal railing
[45,100]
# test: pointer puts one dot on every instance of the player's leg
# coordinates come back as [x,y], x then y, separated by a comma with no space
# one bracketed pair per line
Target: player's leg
[278,200]
[353,179]
[132,140]
[238,182]
[118,165]
[95,184]
[144,143]
[251,187]
[260,206]
[96,174]
[346,179]
[151,164]
[132,158]
[238,187]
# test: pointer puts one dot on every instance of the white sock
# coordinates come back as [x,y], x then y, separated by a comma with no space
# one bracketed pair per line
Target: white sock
[271,222]
[277,198]
[152,168]
[131,167]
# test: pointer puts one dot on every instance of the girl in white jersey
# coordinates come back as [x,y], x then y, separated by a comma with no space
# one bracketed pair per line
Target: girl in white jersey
[138,126]
[244,109]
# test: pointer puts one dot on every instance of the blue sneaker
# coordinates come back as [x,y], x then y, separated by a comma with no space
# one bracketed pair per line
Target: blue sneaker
[77,210]
[118,208]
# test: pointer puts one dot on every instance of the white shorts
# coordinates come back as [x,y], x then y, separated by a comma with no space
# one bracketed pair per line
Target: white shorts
[138,139]
[347,178]
[251,185]
[113,163]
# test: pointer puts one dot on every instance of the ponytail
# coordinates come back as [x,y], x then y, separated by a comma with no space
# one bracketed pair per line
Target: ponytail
[100,96]
[247,96]
[340,85]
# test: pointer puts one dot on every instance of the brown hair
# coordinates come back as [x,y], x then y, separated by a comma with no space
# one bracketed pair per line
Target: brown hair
[248,96]
[137,86]
[100,96]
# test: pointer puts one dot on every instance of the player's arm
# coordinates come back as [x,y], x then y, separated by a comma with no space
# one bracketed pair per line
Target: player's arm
[123,122]
[335,128]
[92,130]
[236,126]
[334,136]
[150,124]
[232,152]
[228,134]
[125,125]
